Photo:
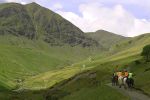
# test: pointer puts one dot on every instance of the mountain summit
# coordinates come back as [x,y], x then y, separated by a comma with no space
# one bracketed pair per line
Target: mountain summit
[36,22]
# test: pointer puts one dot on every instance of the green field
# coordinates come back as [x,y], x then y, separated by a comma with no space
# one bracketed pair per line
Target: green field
[21,58]
[40,67]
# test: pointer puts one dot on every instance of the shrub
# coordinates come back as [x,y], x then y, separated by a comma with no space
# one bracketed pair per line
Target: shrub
[146,53]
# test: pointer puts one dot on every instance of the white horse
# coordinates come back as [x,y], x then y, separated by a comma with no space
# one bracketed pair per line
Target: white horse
[122,82]
[125,82]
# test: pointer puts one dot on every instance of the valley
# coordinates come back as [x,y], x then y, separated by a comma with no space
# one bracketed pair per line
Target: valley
[45,57]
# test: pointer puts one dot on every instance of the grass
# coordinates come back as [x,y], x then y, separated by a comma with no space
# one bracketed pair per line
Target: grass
[124,57]
[28,54]
[21,58]
[96,93]
[50,78]
[142,75]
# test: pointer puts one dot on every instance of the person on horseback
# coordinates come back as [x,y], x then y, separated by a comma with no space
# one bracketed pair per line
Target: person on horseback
[126,73]
[114,79]
[125,78]
[120,77]
[130,80]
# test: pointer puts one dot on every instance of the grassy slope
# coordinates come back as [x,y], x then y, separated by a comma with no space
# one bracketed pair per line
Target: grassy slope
[21,58]
[104,67]
[127,53]
[96,93]
[105,38]
[128,57]
[107,65]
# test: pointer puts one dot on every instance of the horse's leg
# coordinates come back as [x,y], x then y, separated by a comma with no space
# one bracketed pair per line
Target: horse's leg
[132,83]
[120,82]
[116,81]
[125,83]
[112,82]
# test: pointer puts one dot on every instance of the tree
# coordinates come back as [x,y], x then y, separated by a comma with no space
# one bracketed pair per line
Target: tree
[146,52]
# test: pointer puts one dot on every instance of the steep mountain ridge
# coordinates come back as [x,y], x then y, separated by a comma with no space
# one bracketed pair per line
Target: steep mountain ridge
[15,20]
[36,22]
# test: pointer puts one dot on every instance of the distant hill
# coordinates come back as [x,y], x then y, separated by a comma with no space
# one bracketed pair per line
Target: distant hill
[36,22]
[105,38]
[135,43]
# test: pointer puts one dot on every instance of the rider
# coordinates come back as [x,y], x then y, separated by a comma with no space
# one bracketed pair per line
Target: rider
[130,78]
[114,79]
[120,76]
[115,74]
[126,74]
[125,78]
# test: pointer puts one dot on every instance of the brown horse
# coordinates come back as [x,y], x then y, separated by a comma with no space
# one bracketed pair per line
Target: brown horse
[130,83]
[114,80]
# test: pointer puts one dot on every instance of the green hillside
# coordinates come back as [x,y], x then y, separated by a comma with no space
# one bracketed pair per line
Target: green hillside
[106,39]
[104,68]
[85,88]
[44,56]
[34,40]
[21,58]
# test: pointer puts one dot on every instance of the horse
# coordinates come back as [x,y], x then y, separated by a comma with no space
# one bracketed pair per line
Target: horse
[125,82]
[130,82]
[120,81]
[115,80]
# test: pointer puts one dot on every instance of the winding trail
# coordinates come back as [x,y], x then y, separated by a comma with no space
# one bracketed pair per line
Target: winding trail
[133,94]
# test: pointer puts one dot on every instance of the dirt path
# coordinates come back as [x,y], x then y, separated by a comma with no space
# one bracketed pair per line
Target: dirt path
[133,94]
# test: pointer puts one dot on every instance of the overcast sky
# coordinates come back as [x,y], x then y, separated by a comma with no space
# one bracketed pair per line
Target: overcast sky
[124,17]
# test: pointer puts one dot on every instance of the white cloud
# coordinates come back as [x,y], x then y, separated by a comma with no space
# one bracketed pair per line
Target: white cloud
[12,0]
[20,1]
[116,19]
[57,6]
[23,3]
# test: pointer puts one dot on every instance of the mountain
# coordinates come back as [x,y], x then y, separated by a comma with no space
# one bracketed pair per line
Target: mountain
[42,57]
[105,38]
[34,40]
[15,20]
[36,22]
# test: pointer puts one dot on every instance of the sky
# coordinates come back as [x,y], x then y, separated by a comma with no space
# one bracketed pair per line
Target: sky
[124,17]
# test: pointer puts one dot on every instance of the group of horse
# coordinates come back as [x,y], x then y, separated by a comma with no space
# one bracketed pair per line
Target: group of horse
[122,81]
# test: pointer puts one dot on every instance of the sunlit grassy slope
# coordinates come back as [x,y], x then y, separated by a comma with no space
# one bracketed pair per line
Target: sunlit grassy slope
[125,54]
[21,58]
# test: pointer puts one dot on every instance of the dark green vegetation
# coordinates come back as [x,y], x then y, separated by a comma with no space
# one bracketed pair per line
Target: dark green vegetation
[43,56]
[146,52]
